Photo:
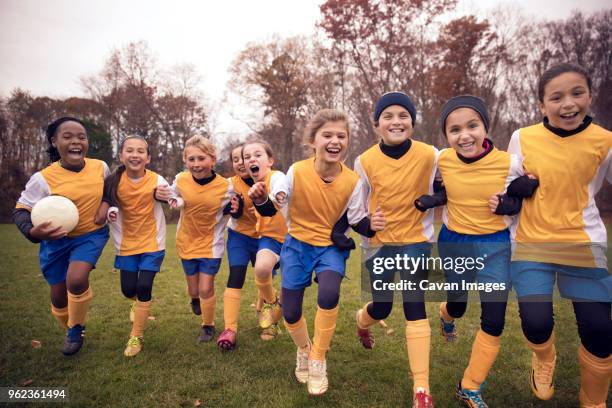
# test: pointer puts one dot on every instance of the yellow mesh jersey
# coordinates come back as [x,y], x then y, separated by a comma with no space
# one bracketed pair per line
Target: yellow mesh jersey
[273,227]
[315,206]
[199,232]
[247,223]
[469,187]
[141,225]
[83,188]
[571,171]
[394,185]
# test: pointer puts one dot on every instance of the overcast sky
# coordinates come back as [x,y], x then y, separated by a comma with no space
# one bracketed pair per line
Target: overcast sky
[46,46]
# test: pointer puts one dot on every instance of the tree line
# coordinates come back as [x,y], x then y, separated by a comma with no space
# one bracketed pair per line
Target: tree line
[360,49]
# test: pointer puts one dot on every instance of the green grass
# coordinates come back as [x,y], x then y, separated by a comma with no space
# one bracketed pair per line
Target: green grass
[174,370]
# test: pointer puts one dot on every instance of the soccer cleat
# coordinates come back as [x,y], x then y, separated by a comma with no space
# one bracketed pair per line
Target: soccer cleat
[207,334]
[301,365]
[270,314]
[134,346]
[195,306]
[422,400]
[365,335]
[270,333]
[542,377]
[73,340]
[317,377]
[471,398]
[227,340]
[132,311]
[448,330]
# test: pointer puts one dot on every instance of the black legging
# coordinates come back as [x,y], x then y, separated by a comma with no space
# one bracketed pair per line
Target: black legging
[328,295]
[138,284]
[593,320]
[492,311]
[236,277]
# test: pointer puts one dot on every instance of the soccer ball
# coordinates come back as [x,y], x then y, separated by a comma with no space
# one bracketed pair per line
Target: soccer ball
[57,209]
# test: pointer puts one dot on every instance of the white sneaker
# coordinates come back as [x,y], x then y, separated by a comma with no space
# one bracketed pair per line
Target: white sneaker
[301,365]
[317,377]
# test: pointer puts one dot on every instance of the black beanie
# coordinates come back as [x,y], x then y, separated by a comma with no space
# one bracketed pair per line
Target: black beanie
[464,101]
[394,98]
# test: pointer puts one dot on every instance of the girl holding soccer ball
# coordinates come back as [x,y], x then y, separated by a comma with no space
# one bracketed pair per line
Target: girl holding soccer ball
[67,257]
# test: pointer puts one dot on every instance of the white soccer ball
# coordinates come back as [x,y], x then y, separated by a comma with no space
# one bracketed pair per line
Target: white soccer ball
[57,209]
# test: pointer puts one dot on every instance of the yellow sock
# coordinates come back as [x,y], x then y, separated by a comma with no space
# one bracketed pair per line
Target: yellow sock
[299,332]
[545,351]
[266,288]
[231,308]
[444,313]
[260,301]
[364,319]
[595,375]
[324,327]
[418,338]
[61,314]
[141,315]
[208,310]
[77,307]
[484,353]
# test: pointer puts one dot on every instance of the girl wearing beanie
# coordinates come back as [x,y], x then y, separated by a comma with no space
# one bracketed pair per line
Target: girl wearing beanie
[395,172]
[472,171]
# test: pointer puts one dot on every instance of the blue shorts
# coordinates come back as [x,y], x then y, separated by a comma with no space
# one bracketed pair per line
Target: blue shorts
[271,244]
[209,266]
[148,261]
[55,256]
[574,282]
[299,260]
[241,249]
[490,254]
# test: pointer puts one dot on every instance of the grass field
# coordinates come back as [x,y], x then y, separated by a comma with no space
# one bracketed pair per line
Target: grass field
[174,370]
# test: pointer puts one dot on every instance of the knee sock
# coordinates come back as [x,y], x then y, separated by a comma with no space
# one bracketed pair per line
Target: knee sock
[78,306]
[595,375]
[545,351]
[418,339]
[325,325]
[61,314]
[364,320]
[266,288]
[299,333]
[141,315]
[484,353]
[231,308]
[208,310]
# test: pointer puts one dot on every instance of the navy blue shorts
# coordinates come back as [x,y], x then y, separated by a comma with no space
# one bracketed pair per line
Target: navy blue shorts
[148,261]
[56,255]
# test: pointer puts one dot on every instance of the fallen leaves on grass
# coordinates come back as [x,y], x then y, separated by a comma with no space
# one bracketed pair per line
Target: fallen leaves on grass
[25,383]
[36,344]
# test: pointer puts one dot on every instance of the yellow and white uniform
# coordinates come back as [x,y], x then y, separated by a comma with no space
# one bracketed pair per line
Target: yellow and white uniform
[247,223]
[571,171]
[141,224]
[394,185]
[274,227]
[314,206]
[84,188]
[469,187]
[199,233]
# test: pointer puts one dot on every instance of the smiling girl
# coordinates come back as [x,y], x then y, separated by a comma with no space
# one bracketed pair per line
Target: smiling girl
[571,156]
[67,259]
[139,231]
[204,199]
[319,191]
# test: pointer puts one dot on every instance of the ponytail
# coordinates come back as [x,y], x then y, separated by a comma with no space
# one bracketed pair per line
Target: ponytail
[111,185]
